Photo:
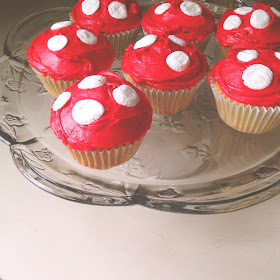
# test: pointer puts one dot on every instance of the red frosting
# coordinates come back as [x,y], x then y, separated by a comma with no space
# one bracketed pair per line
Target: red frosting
[174,21]
[147,65]
[75,61]
[228,74]
[103,21]
[119,124]
[246,36]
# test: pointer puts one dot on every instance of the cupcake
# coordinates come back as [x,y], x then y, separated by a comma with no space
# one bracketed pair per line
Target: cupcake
[246,87]
[167,69]
[249,27]
[66,53]
[187,20]
[119,20]
[101,120]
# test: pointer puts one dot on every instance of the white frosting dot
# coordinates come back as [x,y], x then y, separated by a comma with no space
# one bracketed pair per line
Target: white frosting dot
[145,41]
[277,54]
[177,40]
[117,10]
[274,11]
[260,19]
[91,82]
[87,37]
[190,8]
[178,61]
[232,22]
[57,42]
[89,7]
[247,55]
[87,111]
[61,100]
[257,76]
[243,10]
[126,96]
[159,10]
[61,24]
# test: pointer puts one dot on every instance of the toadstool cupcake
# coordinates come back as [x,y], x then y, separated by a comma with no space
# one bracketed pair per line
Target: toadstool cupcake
[118,20]
[66,53]
[246,87]
[101,120]
[187,20]
[249,27]
[167,69]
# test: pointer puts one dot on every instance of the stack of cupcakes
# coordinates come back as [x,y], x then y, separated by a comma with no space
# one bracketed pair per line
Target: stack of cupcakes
[246,83]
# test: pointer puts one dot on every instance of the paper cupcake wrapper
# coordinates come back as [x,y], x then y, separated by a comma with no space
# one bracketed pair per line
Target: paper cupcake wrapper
[223,50]
[201,45]
[105,158]
[55,88]
[122,40]
[165,102]
[243,117]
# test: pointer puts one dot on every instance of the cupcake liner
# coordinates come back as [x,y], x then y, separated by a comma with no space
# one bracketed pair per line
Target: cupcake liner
[165,102]
[55,88]
[121,40]
[223,50]
[243,117]
[105,158]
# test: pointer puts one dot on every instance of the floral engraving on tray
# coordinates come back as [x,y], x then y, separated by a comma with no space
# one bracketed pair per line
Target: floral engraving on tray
[15,85]
[4,99]
[17,77]
[168,193]
[264,172]
[25,158]
[15,120]
[134,168]
[173,122]
[44,155]
[193,152]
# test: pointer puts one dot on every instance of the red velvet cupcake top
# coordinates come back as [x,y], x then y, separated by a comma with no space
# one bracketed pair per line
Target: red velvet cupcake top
[250,76]
[247,27]
[186,19]
[164,62]
[66,51]
[101,111]
[106,15]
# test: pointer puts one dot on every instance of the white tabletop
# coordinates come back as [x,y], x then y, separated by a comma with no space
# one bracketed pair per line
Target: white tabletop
[44,237]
